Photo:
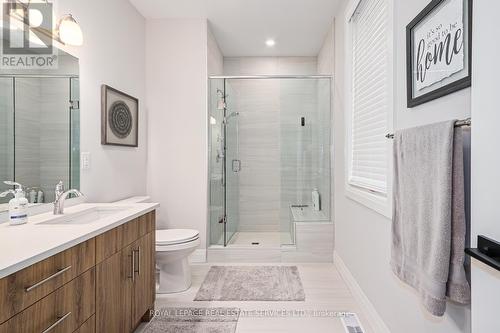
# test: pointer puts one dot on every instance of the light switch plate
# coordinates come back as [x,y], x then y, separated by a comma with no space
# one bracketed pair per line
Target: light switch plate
[85,160]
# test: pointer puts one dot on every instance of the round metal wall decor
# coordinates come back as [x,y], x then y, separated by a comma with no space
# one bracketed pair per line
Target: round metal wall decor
[120,119]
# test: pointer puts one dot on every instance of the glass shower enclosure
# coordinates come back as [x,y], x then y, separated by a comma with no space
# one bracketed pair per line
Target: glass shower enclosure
[269,149]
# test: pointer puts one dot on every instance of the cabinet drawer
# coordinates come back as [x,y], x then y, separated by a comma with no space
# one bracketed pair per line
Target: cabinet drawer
[116,239]
[88,326]
[62,311]
[147,223]
[23,288]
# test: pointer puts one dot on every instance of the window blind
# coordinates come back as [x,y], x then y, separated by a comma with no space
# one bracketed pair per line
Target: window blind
[370,100]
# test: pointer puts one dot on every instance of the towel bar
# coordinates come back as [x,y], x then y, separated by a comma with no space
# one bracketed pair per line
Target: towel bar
[459,123]
[488,252]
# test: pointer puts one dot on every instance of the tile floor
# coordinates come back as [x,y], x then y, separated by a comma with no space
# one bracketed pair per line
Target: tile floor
[325,291]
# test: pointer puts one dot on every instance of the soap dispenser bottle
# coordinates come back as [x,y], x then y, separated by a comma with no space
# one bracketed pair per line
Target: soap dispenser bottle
[315,198]
[18,206]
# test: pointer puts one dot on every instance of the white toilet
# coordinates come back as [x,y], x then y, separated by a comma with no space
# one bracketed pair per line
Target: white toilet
[173,246]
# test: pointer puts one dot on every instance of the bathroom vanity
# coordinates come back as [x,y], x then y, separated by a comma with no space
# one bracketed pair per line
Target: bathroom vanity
[90,270]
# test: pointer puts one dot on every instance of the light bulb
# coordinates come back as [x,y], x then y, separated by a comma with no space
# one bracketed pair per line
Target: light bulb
[69,31]
[270,42]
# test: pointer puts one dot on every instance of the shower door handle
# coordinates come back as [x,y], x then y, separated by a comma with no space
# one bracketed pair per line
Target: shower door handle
[236,165]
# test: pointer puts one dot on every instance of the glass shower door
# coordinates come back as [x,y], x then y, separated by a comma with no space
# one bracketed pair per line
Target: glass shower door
[224,165]
[216,162]
[232,168]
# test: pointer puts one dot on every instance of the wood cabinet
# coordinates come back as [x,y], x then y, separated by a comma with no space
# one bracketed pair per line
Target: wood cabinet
[88,326]
[114,293]
[143,297]
[63,310]
[25,287]
[105,285]
[125,274]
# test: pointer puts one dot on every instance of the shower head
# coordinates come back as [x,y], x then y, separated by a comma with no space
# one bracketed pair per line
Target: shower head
[231,115]
[221,104]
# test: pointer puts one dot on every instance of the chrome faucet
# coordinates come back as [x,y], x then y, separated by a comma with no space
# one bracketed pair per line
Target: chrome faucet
[61,197]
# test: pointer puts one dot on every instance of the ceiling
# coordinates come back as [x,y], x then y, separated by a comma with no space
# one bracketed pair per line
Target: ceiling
[241,27]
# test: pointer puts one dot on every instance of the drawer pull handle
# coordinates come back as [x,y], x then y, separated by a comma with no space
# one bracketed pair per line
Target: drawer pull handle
[56,274]
[59,320]
[138,270]
[133,266]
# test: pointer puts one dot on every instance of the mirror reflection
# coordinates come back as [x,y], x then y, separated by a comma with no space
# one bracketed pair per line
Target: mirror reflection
[40,130]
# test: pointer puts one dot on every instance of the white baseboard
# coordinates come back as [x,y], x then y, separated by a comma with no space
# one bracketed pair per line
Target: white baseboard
[375,321]
[198,256]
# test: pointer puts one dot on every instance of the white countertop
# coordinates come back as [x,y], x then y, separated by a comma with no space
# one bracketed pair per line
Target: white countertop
[24,245]
[137,199]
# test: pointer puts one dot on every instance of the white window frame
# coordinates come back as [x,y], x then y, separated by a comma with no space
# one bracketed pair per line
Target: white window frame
[380,203]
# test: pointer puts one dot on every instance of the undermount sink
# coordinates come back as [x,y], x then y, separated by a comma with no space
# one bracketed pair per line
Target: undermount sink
[87,216]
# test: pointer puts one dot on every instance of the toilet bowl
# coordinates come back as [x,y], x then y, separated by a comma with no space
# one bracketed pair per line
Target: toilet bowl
[173,246]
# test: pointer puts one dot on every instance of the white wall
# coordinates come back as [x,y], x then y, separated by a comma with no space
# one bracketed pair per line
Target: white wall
[109,56]
[485,162]
[326,56]
[215,60]
[176,71]
[363,237]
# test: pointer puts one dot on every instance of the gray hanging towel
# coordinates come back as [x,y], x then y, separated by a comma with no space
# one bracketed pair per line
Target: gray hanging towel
[428,227]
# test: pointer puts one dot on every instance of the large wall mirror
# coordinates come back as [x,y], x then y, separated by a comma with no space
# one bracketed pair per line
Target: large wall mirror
[40,129]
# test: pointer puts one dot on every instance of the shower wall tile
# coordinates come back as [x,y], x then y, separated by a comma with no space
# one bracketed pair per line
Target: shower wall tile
[297,65]
[282,161]
[314,243]
[42,124]
[258,149]
[27,123]
[232,180]
[54,135]
[6,133]
[250,65]
[322,141]
[298,99]
[270,66]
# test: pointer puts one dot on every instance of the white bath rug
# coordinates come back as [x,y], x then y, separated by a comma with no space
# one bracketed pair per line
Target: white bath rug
[194,320]
[251,283]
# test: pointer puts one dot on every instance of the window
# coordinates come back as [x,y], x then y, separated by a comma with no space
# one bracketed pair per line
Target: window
[370,117]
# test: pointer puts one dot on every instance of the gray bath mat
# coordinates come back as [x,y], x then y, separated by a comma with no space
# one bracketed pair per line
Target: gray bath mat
[194,320]
[251,283]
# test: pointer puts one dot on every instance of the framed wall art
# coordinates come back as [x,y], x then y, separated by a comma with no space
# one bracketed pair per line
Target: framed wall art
[438,51]
[119,118]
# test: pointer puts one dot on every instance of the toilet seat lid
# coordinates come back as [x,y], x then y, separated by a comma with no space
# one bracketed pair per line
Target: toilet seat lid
[175,236]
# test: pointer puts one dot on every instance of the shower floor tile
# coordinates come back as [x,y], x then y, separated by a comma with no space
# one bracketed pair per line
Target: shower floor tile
[259,239]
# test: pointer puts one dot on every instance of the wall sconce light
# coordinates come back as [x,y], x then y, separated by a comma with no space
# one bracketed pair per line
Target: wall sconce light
[68,31]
